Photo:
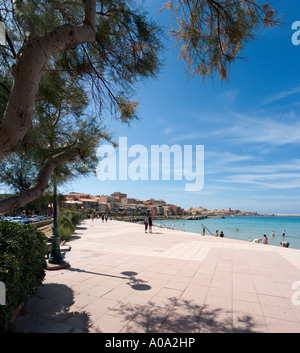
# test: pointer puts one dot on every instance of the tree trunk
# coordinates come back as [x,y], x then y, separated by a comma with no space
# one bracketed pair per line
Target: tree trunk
[28,70]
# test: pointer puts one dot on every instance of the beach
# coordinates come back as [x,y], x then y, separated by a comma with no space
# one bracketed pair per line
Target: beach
[121,280]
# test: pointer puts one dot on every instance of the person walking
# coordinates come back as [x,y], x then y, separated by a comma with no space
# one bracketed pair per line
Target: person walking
[150,223]
[265,239]
[146,224]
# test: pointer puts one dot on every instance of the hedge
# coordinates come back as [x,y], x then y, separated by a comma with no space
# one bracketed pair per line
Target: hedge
[22,265]
[67,224]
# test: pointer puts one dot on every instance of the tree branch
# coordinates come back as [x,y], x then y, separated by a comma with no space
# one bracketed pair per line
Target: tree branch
[29,67]
[23,20]
[42,182]
[12,49]
[90,13]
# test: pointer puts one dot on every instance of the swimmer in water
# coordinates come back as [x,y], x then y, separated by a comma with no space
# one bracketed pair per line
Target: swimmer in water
[285,244]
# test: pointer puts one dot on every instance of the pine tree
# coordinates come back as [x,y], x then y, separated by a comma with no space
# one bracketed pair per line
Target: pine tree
[104,47]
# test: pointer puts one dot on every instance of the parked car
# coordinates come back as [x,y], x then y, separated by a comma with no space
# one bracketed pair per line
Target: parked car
[35,218]
[7,218]
[43,218]
[21,220]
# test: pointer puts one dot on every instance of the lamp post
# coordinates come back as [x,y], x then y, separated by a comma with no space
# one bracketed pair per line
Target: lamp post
[56,260]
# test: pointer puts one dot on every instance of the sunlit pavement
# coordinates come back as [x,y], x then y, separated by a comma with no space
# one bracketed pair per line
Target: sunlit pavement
[123,280]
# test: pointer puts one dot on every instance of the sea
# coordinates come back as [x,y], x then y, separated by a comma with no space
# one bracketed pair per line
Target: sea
[245,228]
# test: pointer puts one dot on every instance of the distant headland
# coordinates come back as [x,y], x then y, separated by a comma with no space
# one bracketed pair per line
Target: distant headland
[201,212]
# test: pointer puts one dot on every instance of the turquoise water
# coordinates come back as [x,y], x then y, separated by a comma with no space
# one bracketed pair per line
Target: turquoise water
[248,227]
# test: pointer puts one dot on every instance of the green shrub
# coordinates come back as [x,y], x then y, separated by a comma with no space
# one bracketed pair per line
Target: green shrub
[22,265]
[74,216]
[64,232]
[66,222]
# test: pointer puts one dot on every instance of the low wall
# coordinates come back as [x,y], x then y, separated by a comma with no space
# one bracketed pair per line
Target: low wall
[42,223]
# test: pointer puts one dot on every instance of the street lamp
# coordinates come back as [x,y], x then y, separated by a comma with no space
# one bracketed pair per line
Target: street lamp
[56,260]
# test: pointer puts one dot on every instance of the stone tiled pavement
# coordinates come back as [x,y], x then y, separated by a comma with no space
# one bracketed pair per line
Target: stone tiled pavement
[123,280]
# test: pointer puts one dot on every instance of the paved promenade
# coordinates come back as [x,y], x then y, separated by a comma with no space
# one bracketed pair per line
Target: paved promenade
[123,280]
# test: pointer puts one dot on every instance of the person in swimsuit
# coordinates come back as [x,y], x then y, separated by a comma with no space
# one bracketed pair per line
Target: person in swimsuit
[285,244]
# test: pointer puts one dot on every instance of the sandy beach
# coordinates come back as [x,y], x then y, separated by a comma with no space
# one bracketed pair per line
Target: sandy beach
[122,280]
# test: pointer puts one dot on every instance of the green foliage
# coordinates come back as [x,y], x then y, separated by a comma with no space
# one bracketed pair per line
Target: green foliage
[126,50]
[102,75]
[211,34]
[67,224]
[22,265]
[76,217]
[18,171]
[59,124]
[64,232]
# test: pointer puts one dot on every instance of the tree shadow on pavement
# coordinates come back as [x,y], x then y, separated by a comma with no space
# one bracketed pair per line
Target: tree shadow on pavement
[183,316]
[49,311]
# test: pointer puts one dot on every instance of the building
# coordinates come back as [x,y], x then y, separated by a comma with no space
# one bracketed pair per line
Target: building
[73,204]
[127,200]
[153,210]
[106,199]
[89,203]
[120,202]
[176,210]
[156,202]
[114,206]
[168,211]
[118,196]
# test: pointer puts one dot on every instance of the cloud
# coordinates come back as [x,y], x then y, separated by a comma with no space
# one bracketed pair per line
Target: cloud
[168,131]
[281,95]
[236,170]
[230,96]
[227,157]
[263,131]
[234,128]
[187,137]
[293,165]
[273,181]
[224,162]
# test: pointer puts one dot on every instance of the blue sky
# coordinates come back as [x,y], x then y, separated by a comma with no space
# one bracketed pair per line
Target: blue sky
[249,127]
